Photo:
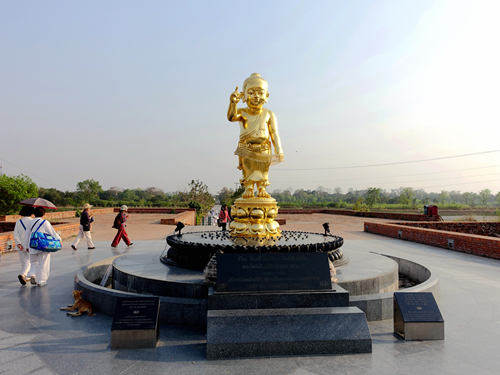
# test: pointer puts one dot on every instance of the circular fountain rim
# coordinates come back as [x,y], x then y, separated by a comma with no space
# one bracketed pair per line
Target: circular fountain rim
[177,242]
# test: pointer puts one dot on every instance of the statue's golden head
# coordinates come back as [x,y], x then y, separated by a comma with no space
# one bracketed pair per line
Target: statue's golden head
[255,90]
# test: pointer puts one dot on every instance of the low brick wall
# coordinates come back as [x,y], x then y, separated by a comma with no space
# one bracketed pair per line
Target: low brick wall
[65,230]
[187,217]
[7,242]
[102,211]
[467,243]
[49,215]
[378,215]
[7,226]
[484,228]
[165,210]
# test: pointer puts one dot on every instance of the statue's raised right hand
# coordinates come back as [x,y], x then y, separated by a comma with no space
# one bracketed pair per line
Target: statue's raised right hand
[235,96]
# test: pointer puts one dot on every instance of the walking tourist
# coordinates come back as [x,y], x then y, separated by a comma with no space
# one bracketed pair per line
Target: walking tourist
[86,220]
[24,255]
[223,217]
[213,215]
[119,224]
[40,260]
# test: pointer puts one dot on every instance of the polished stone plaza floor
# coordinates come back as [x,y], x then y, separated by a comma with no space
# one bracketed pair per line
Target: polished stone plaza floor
[37,338]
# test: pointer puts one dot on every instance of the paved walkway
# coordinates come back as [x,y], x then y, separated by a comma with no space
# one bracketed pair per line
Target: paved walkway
[37,338]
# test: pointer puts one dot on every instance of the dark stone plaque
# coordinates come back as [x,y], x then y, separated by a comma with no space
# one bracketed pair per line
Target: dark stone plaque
[273,272]
[418,307]
[417,317]
[135,323]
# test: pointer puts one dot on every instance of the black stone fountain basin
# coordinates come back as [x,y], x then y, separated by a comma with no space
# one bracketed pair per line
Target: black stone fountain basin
[194,249]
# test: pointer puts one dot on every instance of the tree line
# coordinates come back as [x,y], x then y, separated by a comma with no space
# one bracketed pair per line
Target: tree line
[404,197]
[14,189]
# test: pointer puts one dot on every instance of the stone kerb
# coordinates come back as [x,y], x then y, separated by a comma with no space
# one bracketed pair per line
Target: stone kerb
[380,306]
[462,242]
[173,310]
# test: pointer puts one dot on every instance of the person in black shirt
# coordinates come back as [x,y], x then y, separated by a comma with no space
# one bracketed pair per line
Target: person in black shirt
[85,221]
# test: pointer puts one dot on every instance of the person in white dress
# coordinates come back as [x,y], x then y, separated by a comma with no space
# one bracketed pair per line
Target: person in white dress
[24,255]
[40,260]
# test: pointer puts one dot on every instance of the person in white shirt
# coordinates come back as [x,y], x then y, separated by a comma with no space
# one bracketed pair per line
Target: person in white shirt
[24,255]
[40,260]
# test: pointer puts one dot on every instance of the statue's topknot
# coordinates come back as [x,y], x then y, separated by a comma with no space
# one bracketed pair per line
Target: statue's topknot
[255,80]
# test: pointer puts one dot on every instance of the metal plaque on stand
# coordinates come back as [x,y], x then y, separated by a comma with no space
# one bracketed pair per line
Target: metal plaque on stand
[136,323]
[417,317]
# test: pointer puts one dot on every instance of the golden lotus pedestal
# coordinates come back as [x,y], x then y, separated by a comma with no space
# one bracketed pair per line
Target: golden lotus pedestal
[254,217]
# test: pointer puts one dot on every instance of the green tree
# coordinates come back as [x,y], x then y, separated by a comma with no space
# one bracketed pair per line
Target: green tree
[14,189]
[128,195]
[198,197]
[468,198]
[372,196]
[53,195]
[484,196]
[455,196]
[407,195]
[224,195]
[443,196]
[360,206]
[228,196]
[497,198]
[89,189]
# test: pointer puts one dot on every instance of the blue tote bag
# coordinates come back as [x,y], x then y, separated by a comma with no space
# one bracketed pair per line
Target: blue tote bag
[43,241]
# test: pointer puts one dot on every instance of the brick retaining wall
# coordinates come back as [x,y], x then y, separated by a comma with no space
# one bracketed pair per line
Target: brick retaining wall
[379,215]
[49,215]
[186,217]
[165,210]
[467,243]
[484,228]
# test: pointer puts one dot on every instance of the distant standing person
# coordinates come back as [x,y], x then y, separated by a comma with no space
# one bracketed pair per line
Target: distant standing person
[85,220]
[24,255]
[213,215]
[119,224]
[40,260]
[223,217]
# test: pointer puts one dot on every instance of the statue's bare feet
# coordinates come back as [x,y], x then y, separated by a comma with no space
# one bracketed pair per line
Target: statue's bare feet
[263,193]
[248,193]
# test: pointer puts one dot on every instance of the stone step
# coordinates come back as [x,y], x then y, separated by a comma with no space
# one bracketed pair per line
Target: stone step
[284,332]
[337,297]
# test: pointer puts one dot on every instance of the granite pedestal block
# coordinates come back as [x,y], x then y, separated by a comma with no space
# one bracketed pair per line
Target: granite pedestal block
[337,297]
[283,332]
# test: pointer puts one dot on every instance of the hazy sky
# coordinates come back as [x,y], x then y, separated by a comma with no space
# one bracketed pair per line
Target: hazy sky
[135,93]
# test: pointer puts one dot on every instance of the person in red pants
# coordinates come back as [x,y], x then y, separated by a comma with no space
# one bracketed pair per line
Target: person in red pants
[119,224]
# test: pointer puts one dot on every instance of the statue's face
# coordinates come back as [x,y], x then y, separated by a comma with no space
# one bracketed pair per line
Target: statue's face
[256,96]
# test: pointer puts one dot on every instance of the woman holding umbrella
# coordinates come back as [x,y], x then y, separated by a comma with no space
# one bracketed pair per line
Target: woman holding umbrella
[24,256]
[40,260]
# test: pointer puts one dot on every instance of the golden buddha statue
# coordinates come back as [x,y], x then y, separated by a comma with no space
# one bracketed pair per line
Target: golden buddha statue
[258,128]
[254,215]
